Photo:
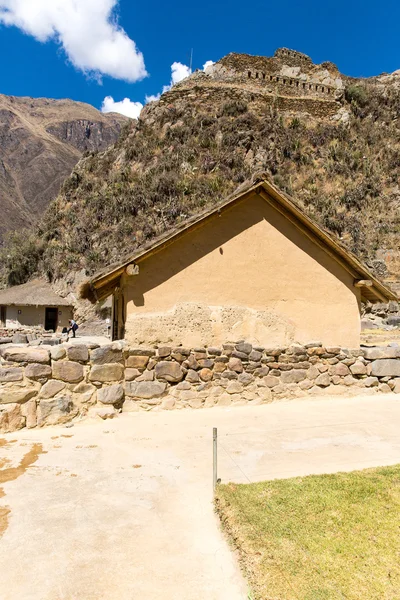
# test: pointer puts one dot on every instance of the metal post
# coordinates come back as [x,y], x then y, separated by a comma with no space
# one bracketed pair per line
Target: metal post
[215,458]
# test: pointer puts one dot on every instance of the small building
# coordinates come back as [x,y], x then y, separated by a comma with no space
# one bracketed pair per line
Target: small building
[33,304]
[254,267]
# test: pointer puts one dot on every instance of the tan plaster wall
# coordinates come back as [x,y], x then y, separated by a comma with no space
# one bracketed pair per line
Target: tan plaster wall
[32,316]
[248,273]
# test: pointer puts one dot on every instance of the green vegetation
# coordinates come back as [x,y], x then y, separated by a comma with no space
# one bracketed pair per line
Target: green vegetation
[186,153]
[325,537]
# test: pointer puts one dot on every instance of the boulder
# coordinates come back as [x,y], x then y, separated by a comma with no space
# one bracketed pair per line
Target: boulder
[312,373]
[229,375]
[370,381]
[58,352]
[26,355]
[78,353]
[206,363]
[55,410]
[11,418]
[106,355]
[245,378]
[51,388]
[71,372]
[145,376]
[141,352]
[137,362]
[255,356]
[389,367]
[168,371]
[107,372]
[17,395]
[37,371]
[145,389]
[11,374]
[105,412]
[219,367]
[113,394]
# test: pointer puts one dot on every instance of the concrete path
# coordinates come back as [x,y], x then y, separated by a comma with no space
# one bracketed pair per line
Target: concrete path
[123,508]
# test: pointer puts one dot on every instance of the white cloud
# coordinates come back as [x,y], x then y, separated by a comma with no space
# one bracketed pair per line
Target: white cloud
[208,63]
[124,107]
[179,72]
[86,29]
[152,98]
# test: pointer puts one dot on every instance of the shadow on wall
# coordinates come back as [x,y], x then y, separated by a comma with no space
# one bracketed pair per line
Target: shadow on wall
[212,234]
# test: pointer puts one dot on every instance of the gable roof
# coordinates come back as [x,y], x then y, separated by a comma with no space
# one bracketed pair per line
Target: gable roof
[34,293]
[102,283]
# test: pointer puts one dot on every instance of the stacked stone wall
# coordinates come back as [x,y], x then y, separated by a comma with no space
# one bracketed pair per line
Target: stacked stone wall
[49,385]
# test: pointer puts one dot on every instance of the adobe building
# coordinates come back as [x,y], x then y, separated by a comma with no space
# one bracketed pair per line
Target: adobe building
[33,304]
[254,267]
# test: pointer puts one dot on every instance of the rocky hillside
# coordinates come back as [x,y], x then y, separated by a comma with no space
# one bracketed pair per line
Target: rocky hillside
[41,140]
[331,141]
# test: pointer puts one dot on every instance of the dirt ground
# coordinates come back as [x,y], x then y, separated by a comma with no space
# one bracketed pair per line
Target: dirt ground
[123,509]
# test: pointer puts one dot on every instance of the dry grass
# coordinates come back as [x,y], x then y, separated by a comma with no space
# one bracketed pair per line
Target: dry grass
[325,537]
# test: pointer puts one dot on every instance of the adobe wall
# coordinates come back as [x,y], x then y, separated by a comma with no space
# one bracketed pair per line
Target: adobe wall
[247,273]
[18,317]
[52,385]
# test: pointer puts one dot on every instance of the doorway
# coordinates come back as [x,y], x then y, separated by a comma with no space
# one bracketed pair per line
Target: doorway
[51,319]
[2,316]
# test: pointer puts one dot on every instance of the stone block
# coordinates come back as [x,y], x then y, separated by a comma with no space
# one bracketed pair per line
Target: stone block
[112,394]
[241,355]
[141,352]
[271,381]
[245,378]
[137,362]
[131,374]
[164,351]
[26,355]
[11,374]
[196,402]
[106,373]
[261,372]
[11,418]
[219,367]
[244,347]
[145,376]
[323,380]
[145,389]
[339,369]
[389,367]
[293,376]
[214,351]
[19,338]
[106,355]
[306,384]
[359,368]
[224,399]
[105,412]
[28,410]
[384,388]
[234,387]
[56,410]
[312,373]
[168,403]
[370,382]
[68,371]
[58,352]
[205,374]
[17,395]
[51,388]
[37,371]
[229,375]
[78,353]
[192,376]
[206,363]
[168,371]
[235,364]
[381,352]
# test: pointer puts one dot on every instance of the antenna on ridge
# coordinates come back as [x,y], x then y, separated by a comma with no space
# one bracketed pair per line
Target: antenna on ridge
[191,60]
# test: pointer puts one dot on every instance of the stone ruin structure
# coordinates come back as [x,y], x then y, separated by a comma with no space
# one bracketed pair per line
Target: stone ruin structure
[48,385]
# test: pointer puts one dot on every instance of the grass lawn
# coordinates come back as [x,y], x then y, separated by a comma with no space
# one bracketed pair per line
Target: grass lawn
[323,537]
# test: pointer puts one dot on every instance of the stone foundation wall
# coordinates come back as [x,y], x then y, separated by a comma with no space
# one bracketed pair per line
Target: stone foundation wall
[50,385]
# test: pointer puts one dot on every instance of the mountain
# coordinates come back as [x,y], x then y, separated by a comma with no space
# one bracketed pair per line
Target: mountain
[41,140]
[329,140]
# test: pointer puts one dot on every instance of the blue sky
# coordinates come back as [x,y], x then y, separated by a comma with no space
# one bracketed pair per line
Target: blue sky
[360,37]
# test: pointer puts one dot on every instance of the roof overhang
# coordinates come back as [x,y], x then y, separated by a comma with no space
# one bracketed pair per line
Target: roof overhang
[104,283]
